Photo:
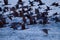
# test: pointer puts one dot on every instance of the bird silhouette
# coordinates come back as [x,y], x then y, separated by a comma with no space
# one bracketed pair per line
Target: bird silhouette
[57,19]
[15,14]
[31,3]
[55,14]
[12,9]
[23,26]
[21,13]
[0,9]
[36,11]
[5,9]
[55,4]
[48,8]
[45,31]
[6,2]
[29,9]
[19,1]
[40,3]
[10,17]
[17,6]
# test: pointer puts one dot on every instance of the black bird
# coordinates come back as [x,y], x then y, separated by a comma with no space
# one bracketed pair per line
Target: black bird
[0,9]
[23,26]
[36,11]
[45,31]
[39,7]
[15,14]
[48,8]
[12,9]
[13,25]
[10,17]
[55,4]
[6,2]
[40,3]
[29,9]
[5,9]
[57,19]
[55,14]
[20,0]
[17,6]
[31,3]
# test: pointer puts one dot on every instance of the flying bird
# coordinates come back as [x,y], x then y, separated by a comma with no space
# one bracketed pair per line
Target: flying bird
[48,8]
[31,3]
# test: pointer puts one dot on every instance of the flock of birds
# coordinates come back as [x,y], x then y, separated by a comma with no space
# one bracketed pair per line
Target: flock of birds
[26,13]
